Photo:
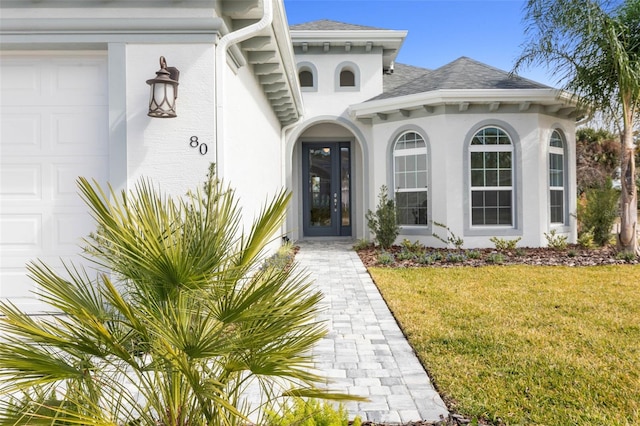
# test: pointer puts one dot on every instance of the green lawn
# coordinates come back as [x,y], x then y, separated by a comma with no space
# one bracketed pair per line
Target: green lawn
[525,345]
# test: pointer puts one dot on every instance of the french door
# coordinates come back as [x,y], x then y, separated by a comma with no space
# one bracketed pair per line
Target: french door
[326,171]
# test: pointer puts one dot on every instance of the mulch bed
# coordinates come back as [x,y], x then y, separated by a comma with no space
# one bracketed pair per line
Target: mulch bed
[573,255]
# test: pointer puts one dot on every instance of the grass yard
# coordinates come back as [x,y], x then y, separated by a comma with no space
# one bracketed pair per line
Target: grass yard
[525,345]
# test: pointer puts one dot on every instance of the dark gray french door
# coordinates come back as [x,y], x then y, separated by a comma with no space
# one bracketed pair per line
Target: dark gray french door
[326,171]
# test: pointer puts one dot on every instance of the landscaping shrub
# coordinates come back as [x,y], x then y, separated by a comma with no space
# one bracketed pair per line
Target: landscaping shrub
[386,258]
[585,239]
[185,320]
[503,244]
[598,212]
[556,241]
[452,238]
[384,223]
[474,254]
[361,244]
[310,413]
[415,247]
[497,258]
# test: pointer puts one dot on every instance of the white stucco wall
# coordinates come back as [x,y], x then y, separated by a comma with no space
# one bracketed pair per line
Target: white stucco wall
[250,152]
[329,98]
[447,135]
[158,148]
[253,162]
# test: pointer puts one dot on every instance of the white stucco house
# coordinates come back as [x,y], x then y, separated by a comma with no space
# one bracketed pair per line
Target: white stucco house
[319,108]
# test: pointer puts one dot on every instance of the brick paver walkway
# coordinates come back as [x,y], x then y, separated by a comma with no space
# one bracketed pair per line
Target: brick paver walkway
[365,352]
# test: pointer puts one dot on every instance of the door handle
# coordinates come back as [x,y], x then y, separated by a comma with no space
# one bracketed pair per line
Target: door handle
[335,201]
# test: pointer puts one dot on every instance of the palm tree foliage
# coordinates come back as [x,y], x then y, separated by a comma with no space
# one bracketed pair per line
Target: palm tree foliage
[175,331]
[593,47]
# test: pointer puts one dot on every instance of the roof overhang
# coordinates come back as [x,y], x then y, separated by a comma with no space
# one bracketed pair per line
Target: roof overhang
[270,53]
[552,101]
[92,24]
[389,41]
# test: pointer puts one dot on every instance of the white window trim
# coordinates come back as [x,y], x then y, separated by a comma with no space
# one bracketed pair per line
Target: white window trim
[406,152]
[511,188]
[558,151]
[350,66]
[308,66]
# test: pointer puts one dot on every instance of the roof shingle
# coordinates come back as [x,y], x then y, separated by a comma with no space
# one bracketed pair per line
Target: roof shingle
[463,73]
[329,25]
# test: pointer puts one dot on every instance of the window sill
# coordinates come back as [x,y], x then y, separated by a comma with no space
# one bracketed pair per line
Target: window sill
[492,231]
[415,230]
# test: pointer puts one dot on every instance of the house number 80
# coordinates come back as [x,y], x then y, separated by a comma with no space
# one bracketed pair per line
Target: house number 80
[194,143]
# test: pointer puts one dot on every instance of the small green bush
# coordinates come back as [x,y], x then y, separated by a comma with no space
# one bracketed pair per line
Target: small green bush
[437,255]
[599,211]
[555,241]
[384,223]
[310,413]
[386,258]
[627,256]
[452,238]
[455,257]
[503,244]
[280,259]
[474,254]
[406,255]
[415,247]
[361,244]
[585,239]
[497,258]
[425,259]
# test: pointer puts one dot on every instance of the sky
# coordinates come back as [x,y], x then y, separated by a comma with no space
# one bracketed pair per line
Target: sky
[440,31]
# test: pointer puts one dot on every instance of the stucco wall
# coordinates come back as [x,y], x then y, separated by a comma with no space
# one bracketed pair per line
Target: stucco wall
[250,152]
[159,148]
[447,136]
[253,162]
[331,99]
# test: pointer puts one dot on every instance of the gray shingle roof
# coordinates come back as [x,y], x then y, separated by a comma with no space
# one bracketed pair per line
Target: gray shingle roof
[463,73]
[329,25]
[401,75]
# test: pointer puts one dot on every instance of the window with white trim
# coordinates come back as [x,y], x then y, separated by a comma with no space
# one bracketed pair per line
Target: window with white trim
[410,179]
[491,160]
[556,178]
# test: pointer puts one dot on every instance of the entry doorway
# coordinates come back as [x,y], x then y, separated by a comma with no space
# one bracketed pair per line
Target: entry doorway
[326,189]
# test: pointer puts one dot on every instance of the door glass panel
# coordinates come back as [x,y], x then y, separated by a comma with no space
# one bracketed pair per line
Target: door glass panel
[345,184]
[320,187]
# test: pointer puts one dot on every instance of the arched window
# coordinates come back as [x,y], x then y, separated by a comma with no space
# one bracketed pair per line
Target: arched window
[306,78]
[556,179]
[491,159]
[347,78]
[410,179]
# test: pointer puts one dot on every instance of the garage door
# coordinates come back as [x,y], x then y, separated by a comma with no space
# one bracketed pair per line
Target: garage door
[54,128]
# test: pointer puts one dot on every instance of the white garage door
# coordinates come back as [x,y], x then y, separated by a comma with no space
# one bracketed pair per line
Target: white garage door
[54,128]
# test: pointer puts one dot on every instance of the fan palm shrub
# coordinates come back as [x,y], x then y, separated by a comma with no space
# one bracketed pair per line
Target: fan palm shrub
[180,324]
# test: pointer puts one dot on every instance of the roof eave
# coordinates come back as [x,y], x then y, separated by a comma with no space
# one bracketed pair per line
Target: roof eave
[552,99]
[389,40]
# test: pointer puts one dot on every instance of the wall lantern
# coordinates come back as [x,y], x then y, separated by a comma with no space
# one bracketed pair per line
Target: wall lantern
[164,91]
